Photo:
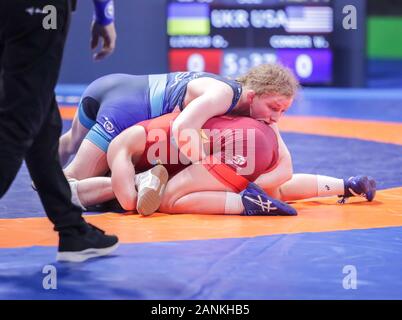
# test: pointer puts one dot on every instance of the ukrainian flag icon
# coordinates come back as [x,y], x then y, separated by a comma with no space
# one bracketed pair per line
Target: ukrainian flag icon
[188,19]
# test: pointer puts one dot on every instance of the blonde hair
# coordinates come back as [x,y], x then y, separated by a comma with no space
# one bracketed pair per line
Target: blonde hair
[271,79]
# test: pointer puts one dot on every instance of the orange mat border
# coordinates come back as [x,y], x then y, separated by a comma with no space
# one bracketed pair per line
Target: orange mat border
[317,215]
[385,132]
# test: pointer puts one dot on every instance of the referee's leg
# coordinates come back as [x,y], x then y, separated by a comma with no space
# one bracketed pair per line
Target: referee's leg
[11,151]
[44,166]
[30,123]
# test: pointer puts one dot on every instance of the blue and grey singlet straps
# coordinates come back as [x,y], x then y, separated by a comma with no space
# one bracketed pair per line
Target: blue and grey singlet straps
[166,91]
[157,88]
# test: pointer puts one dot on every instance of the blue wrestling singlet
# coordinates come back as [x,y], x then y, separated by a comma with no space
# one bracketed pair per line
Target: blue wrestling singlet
[115,102]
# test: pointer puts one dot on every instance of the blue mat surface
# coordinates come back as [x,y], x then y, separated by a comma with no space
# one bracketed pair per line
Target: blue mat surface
[295,266]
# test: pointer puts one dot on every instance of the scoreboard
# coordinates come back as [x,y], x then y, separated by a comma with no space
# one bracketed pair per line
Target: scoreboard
[228,37]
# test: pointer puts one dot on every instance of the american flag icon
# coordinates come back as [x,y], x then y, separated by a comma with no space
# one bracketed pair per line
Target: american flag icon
[309,19]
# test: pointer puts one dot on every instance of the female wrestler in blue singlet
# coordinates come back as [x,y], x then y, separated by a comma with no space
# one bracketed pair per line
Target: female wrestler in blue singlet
[115,102]
[118,101]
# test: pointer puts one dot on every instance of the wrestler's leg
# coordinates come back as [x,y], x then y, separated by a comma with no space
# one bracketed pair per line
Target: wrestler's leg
[196,190]
[183,196]
[188,191]
[305,186]
[71,140]
[203,202]
[90,161]
[93,191]
[87,114]
[85,175]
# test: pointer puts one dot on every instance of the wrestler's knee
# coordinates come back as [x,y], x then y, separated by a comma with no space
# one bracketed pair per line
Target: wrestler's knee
[67,144]
[127,201]
[288,174]
[127,205]
[287,170]
[168,200]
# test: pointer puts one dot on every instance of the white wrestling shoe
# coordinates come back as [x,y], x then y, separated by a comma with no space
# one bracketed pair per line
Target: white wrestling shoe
[151,185]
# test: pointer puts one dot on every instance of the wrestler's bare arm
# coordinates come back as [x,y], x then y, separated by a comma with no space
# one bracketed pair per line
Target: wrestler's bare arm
[213,102]
[119,156]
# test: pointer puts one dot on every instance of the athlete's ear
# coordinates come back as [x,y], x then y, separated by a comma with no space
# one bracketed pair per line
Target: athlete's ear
[250,96]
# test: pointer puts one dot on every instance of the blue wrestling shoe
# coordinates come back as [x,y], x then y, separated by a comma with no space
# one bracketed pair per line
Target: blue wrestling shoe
[257,203]
[359,186]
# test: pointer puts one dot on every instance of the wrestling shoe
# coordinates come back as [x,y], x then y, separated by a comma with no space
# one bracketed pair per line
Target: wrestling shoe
[84,242]
[359,186]
[257,203]
[151,185]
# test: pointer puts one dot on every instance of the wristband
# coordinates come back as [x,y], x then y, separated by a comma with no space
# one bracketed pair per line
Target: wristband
[104,12]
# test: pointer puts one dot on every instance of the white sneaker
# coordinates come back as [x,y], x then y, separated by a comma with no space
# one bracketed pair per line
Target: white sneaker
[151,185]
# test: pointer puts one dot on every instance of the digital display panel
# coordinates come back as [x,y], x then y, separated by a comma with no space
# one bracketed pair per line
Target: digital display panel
[230,36]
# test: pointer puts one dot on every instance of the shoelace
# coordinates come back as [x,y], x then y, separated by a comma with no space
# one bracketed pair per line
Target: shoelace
[343,200]
[264,205]
[140,178]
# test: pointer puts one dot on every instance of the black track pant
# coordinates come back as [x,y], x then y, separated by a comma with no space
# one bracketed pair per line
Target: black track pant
[30,123]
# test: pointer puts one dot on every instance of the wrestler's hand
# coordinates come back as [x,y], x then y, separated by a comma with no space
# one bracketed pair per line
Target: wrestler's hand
[108,37]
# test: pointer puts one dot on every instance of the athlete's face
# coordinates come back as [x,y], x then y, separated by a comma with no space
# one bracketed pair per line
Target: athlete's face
[269,108]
